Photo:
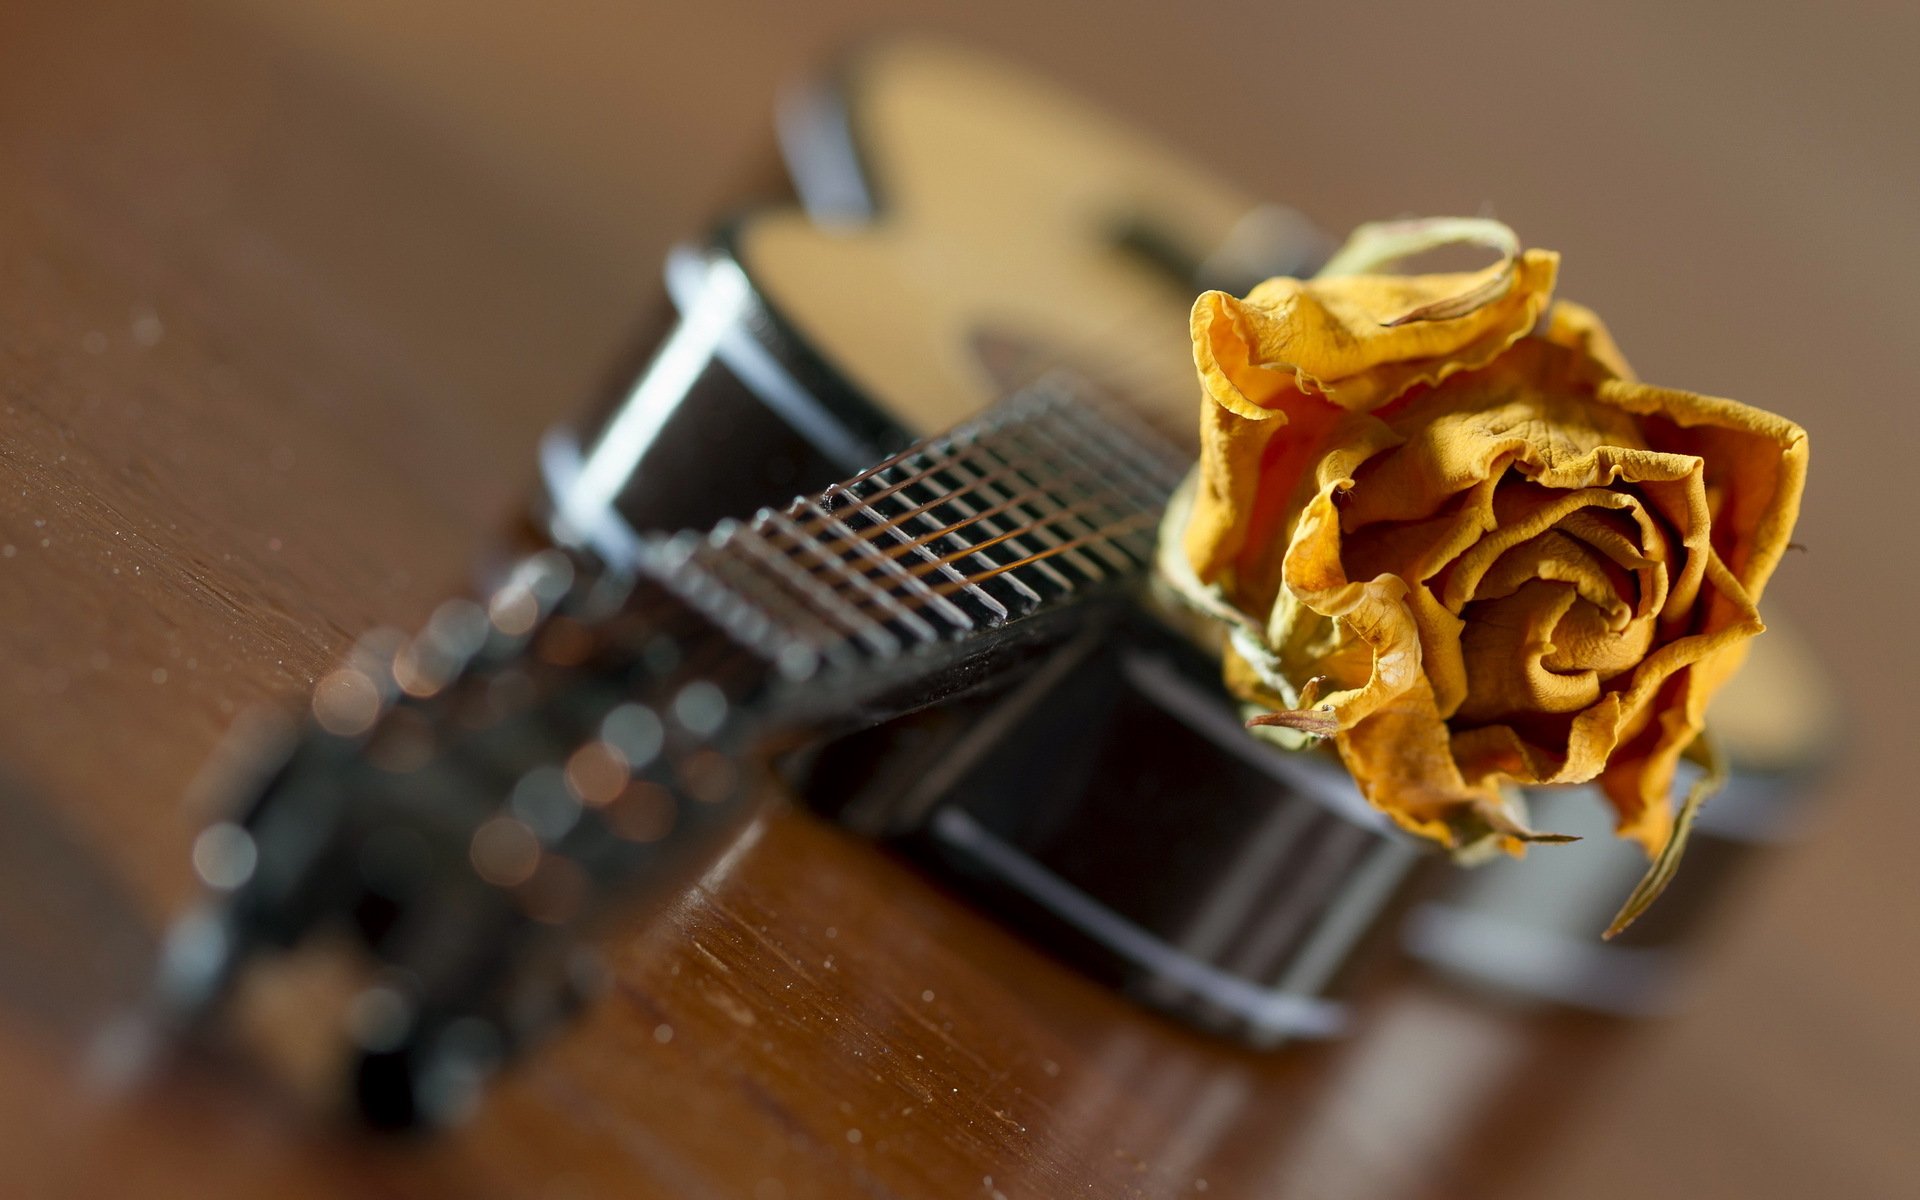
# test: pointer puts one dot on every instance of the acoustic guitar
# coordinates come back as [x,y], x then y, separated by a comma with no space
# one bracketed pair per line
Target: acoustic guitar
[463,802]
[972,252]
[963,228]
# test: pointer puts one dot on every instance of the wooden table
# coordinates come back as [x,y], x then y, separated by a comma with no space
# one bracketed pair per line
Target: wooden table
[286,297]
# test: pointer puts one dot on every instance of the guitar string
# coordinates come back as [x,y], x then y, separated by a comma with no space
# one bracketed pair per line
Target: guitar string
[648,613]
[1127,517]
[871,605]
[978,488]
[886,538]
[1137,521]
[1019,468]
[1006,468]
[1035,490]
[832,555]
[1143,363]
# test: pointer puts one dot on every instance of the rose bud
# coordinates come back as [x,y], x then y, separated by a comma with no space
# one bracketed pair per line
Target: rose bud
[1447,528]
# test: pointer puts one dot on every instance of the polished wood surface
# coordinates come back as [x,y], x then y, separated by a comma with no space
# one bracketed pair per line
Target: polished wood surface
[286,295]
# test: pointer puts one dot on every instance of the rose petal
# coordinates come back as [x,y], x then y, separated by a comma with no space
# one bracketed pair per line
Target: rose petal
[1559,558]
[1755,462]
[1586,639]
[1524,515]
[1336,337]
[1505,646]
[1580,329]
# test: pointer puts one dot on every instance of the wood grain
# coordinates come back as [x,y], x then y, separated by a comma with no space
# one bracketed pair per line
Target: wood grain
[286,296]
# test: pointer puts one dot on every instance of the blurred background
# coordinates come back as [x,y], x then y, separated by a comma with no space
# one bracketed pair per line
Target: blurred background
[426,229]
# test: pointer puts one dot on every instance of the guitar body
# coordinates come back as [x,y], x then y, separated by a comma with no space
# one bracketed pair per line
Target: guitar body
[962,223]
[966,231]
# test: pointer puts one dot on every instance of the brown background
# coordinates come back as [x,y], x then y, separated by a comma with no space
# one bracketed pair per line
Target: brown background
[286,294]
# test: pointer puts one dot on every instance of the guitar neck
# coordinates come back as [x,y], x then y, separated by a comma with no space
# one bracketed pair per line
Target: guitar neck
[583,733]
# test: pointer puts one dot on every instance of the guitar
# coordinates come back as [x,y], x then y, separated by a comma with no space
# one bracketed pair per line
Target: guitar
[961,230]
[989,226]
[467,801]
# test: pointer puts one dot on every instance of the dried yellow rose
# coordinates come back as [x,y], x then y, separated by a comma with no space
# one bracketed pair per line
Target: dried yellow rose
[1456,535]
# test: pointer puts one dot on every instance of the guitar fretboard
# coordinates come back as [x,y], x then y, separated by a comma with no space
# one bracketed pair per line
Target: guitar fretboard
[1050,496]
[583,731]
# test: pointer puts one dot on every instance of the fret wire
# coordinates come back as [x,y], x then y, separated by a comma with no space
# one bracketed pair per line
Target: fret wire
[1114,498]
[1095,502]
[1015,532]
[818,519]
[949,587]
[734,566]
[1124,451]
[869,593]
[1049,501]
[885,464]
[1101,513]
[827,603]
[946,465]
[1142,520]
[1054,484]
[875,533]
[1016,466]
[724,662]
[931,467]
[870,600]
[899,548]
[820,560]
[707,656]
[974,542]
[844,487]
[879,583]
[949,452]
[872,570]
